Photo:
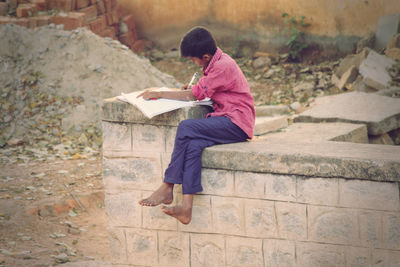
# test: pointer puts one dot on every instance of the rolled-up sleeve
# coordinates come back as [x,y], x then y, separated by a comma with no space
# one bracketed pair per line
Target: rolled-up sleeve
[213,81]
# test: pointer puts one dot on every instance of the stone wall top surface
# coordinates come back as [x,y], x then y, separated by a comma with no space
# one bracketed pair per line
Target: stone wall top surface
[319,159]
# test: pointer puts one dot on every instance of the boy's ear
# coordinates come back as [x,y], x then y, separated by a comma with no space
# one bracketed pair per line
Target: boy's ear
[207,57]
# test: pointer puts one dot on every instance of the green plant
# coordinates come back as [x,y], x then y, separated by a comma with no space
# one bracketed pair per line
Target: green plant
[294,29]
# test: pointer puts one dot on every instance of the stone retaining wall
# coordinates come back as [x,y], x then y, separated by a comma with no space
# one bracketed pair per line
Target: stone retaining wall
[263,204]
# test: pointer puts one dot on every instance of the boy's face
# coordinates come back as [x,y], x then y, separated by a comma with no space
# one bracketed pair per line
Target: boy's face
[202,62]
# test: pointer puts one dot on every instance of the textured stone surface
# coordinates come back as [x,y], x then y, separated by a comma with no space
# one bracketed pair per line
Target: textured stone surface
[381,114]
[141,246]
[228,215]
[173,249]
[121,214]
[207,250]
[264,125]
[217,182]
[272,110]
[260,219]
[309,254]
[292,220]
[279,253]
[318,191]
[243,252]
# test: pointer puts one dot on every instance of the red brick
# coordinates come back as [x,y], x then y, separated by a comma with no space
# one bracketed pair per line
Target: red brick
[81,4]
[21,22]
[120,11]
[25,10]
[112,17]
[90,12]
[6,20]
[65,5]
[98,25]
[40,5]
[101,9]
[71,21]
[3,8]
[127,39]
[22,2]
[108,5]
[41,20]
[108,32]
[129,22]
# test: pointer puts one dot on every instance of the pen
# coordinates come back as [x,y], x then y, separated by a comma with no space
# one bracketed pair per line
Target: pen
[191,81]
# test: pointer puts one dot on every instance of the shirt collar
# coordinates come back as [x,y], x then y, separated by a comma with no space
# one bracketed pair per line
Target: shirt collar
[216,57]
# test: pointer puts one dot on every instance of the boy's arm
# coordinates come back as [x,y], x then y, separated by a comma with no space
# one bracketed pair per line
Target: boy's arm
[177,94]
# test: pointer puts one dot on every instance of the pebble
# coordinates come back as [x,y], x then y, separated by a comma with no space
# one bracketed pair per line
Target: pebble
[61,258]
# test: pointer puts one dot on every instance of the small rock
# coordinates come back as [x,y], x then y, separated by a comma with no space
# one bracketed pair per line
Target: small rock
[295,106]
[261,62]
[61,258]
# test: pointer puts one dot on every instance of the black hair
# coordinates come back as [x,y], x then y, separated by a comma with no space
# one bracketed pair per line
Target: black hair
[197,43]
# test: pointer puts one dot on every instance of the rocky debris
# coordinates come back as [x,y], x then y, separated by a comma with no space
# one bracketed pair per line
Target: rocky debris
[52,84]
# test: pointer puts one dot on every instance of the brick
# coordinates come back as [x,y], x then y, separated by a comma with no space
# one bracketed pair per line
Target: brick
[22,22]
[65,5]
[217,182]
[141,246]
[81,4]
[154,218]
[40,5]
[117,136]
[147,137]
[228,215]
[108,5]
[369,195]
[370,228]
[391,230]
[128,22]
[71,21]
[98,25]
[280,187]
[311,254]
[108,32]
[3,8]
[117,242]
[25,10]
[201,216]
[41,20]
[170,133]
[132,173]
[249,184]
[386,258]
[90,12]
[112,17]
[173,249]
[358,257]
[122,210]
[291,218]
[279,252]
[333,225]
[260,220]
[101,9]
[207,250]
[244,252]
[320,191]
[6,20]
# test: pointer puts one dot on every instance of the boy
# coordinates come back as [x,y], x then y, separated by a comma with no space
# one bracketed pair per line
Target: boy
[231,121]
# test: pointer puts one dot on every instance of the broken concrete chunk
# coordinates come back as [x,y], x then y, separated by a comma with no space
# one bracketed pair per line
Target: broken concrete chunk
[360,86]
[383,139]
[387,26]
[395,135]
[367,41]
[348,77]
[394,42]
[393,53]
[374,70]
[351,60]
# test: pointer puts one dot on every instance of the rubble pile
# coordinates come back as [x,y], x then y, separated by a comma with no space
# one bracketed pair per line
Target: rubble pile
[52,84]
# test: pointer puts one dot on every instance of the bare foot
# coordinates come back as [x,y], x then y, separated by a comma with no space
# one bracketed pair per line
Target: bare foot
[184,215]
[163,195]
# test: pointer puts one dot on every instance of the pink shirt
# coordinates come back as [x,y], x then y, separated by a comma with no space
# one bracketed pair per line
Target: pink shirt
[224,82]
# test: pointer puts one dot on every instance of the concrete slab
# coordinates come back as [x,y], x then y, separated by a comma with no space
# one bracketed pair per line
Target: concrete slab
[316,132]
[264,125]
[387,26]
[381,114]
[374,70]
[272,110]
[318,159]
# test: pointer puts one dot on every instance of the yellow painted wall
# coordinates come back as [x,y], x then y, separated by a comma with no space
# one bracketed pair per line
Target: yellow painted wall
[328,18]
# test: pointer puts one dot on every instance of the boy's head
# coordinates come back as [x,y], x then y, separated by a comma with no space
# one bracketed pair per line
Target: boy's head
[197,43]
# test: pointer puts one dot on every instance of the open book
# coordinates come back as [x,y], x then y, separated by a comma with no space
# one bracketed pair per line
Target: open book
[151,108]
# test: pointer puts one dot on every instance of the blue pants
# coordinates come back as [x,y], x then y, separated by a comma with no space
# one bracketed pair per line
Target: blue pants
[193,135]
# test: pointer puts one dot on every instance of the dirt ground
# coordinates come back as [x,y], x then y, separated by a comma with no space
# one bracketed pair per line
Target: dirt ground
[41,221]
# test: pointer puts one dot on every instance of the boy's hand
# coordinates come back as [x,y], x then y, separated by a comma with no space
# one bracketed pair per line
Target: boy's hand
[185,86]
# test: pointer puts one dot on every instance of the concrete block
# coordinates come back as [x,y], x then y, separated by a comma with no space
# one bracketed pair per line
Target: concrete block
[370,228]
[249,184]
[393,53]
[347,62]
[374,70]
[131,173]
[173,249]
[348,77]
[148,138]
[279,253]
[154,218]
[379,113]
[391,230]
[117,136]
[170,133]
[271,110]
[388,25]
[358,257]
[217,182]
[384,258]
[244,252]
[141,246]
[394,42]
[292,220]
[123,209]
[260,220]
[280,187]
[332,225]
[321,255]
[201,216]
[228,215]
[319,191]
[369,195]
[207,250]
[264,125]
[117,239]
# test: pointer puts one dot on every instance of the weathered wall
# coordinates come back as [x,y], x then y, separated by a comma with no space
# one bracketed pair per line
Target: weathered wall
[331,21]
